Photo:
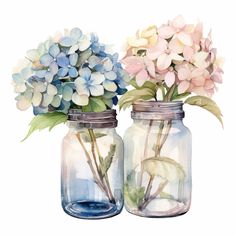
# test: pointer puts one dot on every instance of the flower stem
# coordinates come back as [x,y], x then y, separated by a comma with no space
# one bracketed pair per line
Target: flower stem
[145,150]
[96,178]
[105,180]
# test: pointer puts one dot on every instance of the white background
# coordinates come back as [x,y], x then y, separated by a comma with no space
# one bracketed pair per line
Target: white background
[30,171]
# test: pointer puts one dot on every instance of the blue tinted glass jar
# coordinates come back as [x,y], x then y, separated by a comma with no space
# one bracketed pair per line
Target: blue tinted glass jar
[157,160]
[92,166]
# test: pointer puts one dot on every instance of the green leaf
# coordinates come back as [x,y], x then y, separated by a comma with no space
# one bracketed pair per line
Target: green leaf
[166,195]
[147,84]
[180,96]
[106,162]
[133,195]
[108,102]
[207,104]
[136,94]
[109,95]
[164,167]
[86,137]
[47,120]
[95,105]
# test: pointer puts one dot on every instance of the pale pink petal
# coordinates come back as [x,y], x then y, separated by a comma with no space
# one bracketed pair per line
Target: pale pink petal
[141,77]
[209,84]
[199,90]
[176,46]
[199,59]
[176,57]
[153,53]
[163,61]
[188,53]
[197,34]
[210,92]
[198,81]
[184,74]
[183,86]
[170,78]
[185,38]
[178,22]
[166,31]
[133,64]
[197,72]
[150,66]
[217,77]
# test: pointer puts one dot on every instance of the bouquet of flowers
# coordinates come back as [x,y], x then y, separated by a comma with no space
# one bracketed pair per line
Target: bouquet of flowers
[73,70]
[173,60]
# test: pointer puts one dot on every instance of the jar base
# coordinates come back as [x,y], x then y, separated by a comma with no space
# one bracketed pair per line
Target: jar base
[160,208]
[91,209]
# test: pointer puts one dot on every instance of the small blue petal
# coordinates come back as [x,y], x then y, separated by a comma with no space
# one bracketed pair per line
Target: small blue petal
[17,78]
[66,42]
[41,73]
[115,100]
[54,50]
[73,73]
[121,91]
[62,72]
[85,73]
[46,59]
[76,34]
[53,68]
[39,110]
[62,60]
[73,58]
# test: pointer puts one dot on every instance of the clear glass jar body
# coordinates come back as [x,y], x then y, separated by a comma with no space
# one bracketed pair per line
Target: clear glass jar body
[92,172]
[157,167]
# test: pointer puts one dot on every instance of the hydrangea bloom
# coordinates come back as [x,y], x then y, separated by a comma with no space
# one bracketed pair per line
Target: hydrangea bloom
[174,54]
[65,71]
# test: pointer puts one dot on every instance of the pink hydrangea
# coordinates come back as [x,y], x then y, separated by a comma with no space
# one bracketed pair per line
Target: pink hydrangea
[177,54]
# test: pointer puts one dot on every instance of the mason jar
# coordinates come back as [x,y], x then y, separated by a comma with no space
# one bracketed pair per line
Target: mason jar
[92,166]
[157,160]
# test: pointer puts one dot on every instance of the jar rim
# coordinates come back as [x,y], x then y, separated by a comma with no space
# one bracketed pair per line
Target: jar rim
[104,119]
[157,110]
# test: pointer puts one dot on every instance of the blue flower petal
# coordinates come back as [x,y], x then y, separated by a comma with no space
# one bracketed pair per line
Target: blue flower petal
[73,73]
[67,93]
[76,34]
[53,68]
[17,78]
[62,60]
[62,72]
[49,77]
[46,59]
[115,100]
[111,75]
[73,58]
[39,110]
[41,73]
[66,42]
[54,50]
[85,73]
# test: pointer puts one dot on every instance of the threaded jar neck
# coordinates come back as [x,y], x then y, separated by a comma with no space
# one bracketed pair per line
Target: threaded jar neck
[105,119]
[152,110]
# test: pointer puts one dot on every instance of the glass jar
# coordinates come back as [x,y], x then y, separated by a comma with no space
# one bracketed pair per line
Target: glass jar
[157,160]
[92,166]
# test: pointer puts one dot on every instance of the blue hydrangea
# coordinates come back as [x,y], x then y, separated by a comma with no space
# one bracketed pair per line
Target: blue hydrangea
[66,72]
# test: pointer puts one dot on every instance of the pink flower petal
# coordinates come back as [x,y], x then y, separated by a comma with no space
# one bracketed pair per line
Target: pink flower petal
[184,74]
[216,77]
[183,86]
[163,61]
[176,46]
[150,66]
[141,77]
[133,64]
[176,57]
[137,42]
[198,81]
[185,38]
[178,22]
[170,78]
[197,34]
[188,53]
[153,53]
[209,84]
[166,31]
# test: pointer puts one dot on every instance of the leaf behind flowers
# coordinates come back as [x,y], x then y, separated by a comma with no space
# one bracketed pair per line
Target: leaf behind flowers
[47,120]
